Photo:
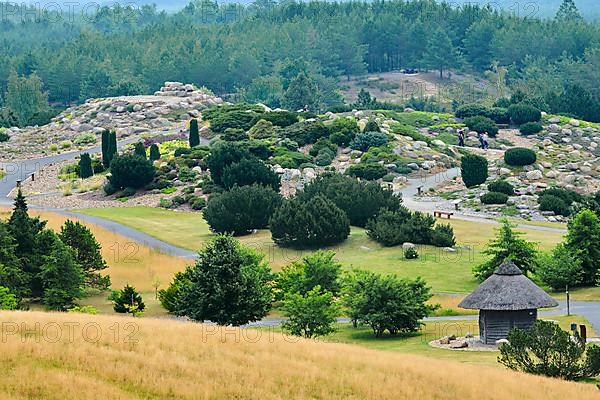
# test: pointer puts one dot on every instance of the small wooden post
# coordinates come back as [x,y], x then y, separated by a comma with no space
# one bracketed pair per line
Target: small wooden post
[583,330]
[419,190]
[18,183]
[33,177]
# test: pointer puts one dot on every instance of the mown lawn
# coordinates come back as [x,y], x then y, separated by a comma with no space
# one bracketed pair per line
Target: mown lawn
[444,271]
[418,343]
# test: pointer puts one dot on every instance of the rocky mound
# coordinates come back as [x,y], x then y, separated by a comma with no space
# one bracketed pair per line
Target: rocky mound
[80,127]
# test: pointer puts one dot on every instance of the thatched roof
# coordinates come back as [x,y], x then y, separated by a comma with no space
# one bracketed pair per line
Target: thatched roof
[508,290]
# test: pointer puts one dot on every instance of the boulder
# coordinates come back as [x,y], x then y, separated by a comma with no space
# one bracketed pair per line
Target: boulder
[459,344]
[534,175]
[408,245]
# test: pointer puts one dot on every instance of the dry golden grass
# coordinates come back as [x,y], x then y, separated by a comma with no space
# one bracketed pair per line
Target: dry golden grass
[175,360]
[129,262]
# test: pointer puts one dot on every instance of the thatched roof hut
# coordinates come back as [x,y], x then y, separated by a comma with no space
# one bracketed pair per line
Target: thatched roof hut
[506,300]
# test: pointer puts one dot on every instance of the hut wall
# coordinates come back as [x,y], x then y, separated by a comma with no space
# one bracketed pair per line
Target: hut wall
[495,325]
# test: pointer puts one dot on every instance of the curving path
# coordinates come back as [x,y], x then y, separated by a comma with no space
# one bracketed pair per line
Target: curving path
[426,182]
[22,170]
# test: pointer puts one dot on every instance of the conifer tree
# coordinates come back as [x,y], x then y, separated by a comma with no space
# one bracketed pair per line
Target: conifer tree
[568,12]
[194,133]
[87,253]
[140,149]
[85,166]
[154,152]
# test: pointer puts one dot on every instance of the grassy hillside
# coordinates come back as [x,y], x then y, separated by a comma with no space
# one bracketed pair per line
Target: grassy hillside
[173,360]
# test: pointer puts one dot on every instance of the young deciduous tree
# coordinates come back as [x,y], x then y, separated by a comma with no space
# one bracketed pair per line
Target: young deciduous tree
[8,301]
[583,236]
[560,268]
[310,315]
[317,269]
[386,303]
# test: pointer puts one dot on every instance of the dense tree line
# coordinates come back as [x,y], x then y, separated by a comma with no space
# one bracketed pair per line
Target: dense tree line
[269,53]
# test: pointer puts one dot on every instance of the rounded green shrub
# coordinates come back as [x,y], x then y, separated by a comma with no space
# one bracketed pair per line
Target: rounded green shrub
[494,198]
[369,172]
[471,110]
[474,170]
[555,204]
[522,113]
[519,156]
[411,253]
[530,128]
[131,171]
[501,187]
[481,124]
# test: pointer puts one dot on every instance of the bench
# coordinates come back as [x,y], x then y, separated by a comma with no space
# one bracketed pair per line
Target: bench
[439,214]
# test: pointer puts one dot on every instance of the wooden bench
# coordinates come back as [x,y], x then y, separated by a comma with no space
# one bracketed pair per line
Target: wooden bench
[439,214]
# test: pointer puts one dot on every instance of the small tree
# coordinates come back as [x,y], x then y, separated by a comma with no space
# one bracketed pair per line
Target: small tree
[242,209]
[140,149]
[507,245]
[106,156]
[154,152]
[474,170]
[85,166]
[87,253]
[194,139]
[170,298]
[316,269]
[61,277]
[315,222]
[582,240]
[386,303]
[560,268]
[128,301]
[229,284]
[131,171]
[310,315]
[545,349]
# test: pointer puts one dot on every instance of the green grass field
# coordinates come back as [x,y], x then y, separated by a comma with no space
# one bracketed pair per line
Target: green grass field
[445,272]
[418,342]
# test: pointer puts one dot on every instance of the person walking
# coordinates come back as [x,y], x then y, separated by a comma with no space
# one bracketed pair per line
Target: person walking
[481,143]
[461,138]
[485,138]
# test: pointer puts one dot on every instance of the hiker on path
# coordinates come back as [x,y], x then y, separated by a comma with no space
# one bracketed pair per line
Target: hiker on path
[481,142]
[461,138]
[485,138]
